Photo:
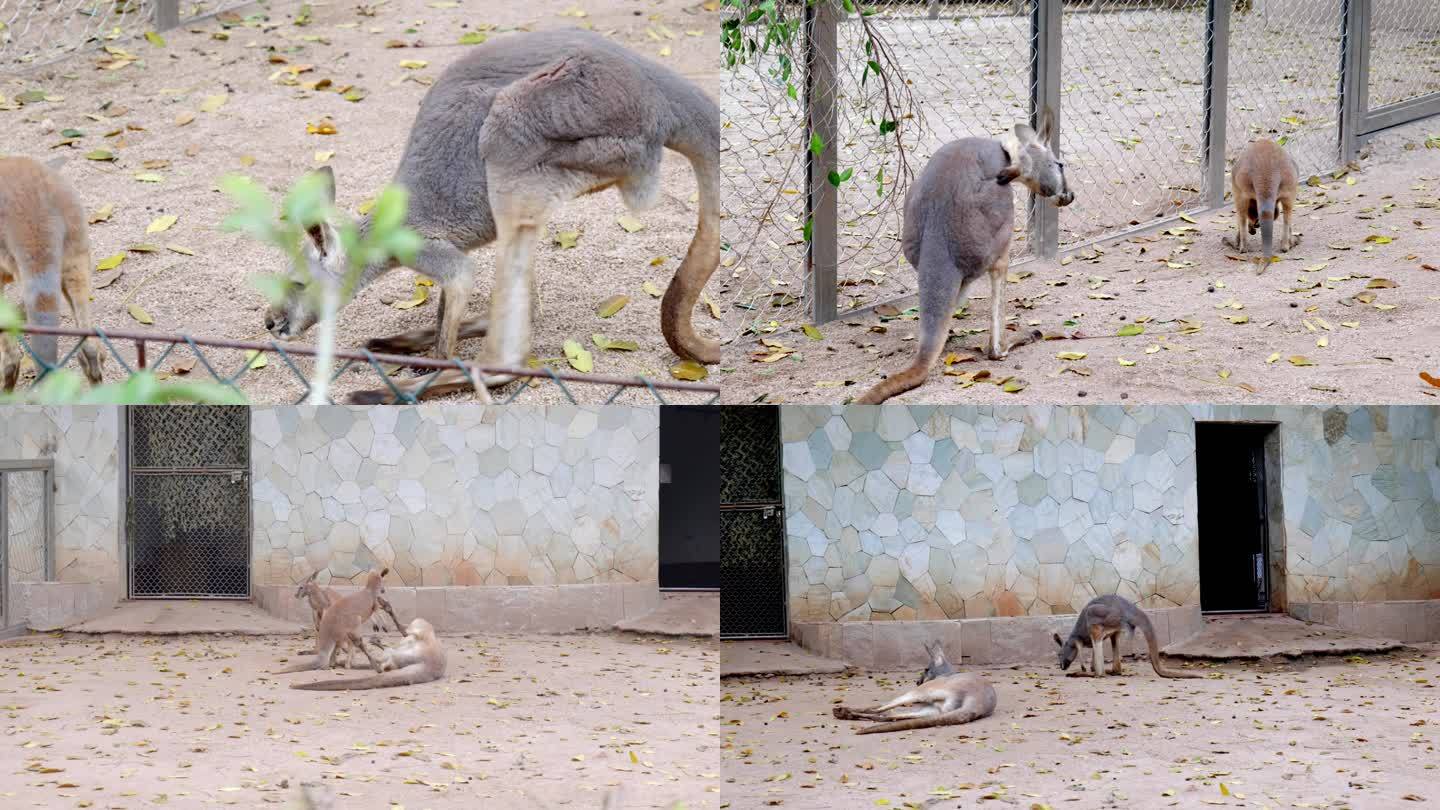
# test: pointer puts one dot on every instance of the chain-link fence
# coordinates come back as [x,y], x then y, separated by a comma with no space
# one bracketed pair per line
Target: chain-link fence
[27,532]
[34,33]
[1146,92]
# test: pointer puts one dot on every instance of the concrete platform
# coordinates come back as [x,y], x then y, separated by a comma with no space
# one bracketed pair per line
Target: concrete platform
[777,657]
[679,614]
[1248,638]
[182,617]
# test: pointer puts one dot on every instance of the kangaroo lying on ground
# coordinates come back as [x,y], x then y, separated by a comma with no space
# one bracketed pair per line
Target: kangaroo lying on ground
[321,597]
[45,246]
[341,622]
[507,133]
[417,659]
[1104,618]
[959,216]
[942,697]
[1262,179]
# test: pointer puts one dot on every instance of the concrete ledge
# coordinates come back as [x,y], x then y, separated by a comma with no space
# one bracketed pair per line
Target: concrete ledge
[680,613]
[1409,621]
[494,608]
[887,645]
[54,605]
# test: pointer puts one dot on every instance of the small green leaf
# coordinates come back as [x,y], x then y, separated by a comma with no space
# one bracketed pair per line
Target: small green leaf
[1131,330]
[811,332]
[111,262]
[100,154]
[689,370]
[155,39]
[611,305]
[603,342]
[580,359]
[71,133]
[817,144]
[138,313]
[472,38]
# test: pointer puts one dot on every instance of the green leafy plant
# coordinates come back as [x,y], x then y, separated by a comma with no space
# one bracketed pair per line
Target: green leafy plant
[307,205]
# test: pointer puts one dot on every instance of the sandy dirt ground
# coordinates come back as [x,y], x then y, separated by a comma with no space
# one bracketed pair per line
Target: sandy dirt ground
[261,131]
[520,721]
[1327,732]
[1348,315]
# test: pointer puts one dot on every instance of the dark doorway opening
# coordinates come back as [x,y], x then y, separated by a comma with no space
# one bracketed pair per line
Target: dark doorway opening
[690,497]
[752,524]
[1234,517]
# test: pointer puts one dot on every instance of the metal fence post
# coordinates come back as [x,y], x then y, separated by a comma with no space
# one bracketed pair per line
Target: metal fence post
[1045,21]
[821,205]
[5,585]
[167,14]
[1354,74]
[1217,89]
[47,502]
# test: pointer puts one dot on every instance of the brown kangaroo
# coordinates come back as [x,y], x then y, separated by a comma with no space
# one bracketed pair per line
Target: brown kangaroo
[1263,179]
[1104,618]
[45,246]
[321,597]
[942,697]
[341,623]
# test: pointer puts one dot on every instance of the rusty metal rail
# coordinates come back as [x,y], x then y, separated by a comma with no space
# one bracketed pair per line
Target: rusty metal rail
[347,358]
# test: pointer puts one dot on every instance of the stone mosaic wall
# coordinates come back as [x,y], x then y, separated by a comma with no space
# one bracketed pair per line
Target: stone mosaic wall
[1361,492]
[915,512]
[84,441]
[456,495]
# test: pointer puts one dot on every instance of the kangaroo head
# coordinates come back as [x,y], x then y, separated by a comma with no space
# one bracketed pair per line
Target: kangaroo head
[375,581]
[1068,651]
[1034,165]
[939,666]
[420,629]
[323,256]
[303,590]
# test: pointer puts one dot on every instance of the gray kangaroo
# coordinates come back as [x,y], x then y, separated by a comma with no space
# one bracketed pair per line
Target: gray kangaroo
[1104,618]
[509,132]
[959,216]
[1263,179]
[941,697]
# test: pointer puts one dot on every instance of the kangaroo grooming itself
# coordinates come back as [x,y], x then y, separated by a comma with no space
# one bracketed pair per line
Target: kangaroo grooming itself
[1263,179]
[45,246]
[417,659]
[321,597]
[1104,618]
[341,622]
[959,216]
[513,129]
[942,697]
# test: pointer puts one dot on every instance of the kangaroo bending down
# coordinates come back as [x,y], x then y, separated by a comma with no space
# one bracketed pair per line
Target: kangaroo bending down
[942,697]
[321,597]
[1104,618]
[509,132]
[417,659]
[1263,179]
[341,622]
[959,216]
[45,246]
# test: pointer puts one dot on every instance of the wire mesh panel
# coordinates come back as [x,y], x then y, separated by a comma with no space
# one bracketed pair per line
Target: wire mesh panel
[1132,114]
[1284,80]
[750,454]
[1404,50]
[25,532]
[38,33]
[752,573]
[189,502]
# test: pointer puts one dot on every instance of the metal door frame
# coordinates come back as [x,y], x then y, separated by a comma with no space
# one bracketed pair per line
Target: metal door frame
[127,535]
[46,468]
[779,508]
[1261,483]
[1358,121]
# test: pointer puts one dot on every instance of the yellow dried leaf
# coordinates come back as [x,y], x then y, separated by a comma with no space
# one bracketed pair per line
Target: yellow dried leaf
[161,223]
[630,224]
[111,262]
[689,370]
[611,305]
[138,313]
[213,103]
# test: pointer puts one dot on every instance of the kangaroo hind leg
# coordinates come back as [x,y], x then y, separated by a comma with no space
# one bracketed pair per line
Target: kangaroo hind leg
[75,285]
[940,289]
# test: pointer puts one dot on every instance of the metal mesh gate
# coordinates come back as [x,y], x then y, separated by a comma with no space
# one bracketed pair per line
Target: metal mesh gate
[26,528]
[752,524]
[189,502]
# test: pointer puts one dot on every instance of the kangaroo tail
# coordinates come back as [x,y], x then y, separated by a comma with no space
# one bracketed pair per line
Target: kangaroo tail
[964,714]
[321,660]
[939,285]
[1142,622]
[305,667]
[1266,205]
[405,676]
[42,298]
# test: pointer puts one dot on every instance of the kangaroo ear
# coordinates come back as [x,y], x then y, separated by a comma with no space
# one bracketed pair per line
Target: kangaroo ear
[1057,639]
[1024,134]
[384,571]
[1047,125]
[328,175]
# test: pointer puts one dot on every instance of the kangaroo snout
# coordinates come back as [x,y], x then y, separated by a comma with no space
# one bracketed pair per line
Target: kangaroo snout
[1065,197]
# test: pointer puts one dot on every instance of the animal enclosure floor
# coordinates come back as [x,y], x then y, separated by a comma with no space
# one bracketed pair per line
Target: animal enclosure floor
[178,617]
[1252,637]
[1327,732]
[155,108]
[196,721]
[1345,316]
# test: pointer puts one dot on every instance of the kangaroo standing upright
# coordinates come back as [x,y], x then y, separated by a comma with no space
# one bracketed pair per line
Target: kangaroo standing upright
[959,216]
[941,697]
[340,624]
[417,659]
[1104,618]
[45,246]
[1262,180]
[321,598]
[507,133]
